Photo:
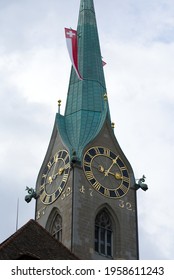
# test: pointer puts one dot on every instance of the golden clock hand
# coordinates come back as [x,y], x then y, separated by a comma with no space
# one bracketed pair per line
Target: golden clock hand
[60,172]
[117,175]
[55,164]
[53,176]
[107,171]
[48,180]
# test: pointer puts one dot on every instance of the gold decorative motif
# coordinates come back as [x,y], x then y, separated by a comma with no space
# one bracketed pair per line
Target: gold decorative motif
[40,213]
[82,189]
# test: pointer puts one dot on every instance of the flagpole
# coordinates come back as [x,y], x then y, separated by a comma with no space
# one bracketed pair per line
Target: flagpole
[17,216]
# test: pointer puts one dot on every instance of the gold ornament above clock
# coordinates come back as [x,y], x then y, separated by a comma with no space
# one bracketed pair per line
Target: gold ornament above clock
[54,177]
[106,172]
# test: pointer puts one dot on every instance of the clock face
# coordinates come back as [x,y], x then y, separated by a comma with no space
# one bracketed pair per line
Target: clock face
[106,172]
[54,177]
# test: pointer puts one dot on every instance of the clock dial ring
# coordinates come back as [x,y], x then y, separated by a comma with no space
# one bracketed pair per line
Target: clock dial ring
[106,172]
[54,177]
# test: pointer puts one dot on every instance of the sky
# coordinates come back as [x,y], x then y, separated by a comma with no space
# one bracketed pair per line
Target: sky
[137,42]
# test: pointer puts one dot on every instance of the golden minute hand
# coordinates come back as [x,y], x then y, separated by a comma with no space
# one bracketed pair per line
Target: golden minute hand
[107,171]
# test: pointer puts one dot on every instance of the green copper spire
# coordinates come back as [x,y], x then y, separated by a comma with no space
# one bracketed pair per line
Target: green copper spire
[86,107]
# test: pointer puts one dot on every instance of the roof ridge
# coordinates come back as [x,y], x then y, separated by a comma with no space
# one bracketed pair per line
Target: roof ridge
[15,234]
[35,223]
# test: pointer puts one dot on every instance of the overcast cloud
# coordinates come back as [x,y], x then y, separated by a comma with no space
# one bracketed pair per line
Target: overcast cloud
[137,42]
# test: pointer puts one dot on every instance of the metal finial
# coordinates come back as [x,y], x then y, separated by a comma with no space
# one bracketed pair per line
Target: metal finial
[113,125]
[105,97]
[59,104]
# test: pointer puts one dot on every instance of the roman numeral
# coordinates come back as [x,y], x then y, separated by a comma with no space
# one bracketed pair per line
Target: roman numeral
[48,199]
[59,189]
[123,168]
[117,193]
[56,158]
[60,154]
[89,175]
[126,179]
[87,164]
[49,164]
[89,155]
[106,192]
[97,150]
[66,157]
[97,186]
[65,177]
[42,187]
[106,152]
[67,165]
[124,189]
[43,196]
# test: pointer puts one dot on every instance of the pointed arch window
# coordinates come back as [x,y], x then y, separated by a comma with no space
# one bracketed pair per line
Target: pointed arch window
[56,227]
[103,234]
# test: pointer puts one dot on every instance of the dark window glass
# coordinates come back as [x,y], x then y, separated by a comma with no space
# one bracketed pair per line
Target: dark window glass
[56,227]
[103,234]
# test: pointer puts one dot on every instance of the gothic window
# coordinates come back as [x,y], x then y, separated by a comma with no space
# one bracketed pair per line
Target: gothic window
[56,227]
[103,234]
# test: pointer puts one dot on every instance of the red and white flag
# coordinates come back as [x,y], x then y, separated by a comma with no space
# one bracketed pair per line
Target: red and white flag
[71,40]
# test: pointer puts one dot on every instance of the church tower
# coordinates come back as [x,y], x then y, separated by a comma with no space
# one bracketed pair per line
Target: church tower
[86,185]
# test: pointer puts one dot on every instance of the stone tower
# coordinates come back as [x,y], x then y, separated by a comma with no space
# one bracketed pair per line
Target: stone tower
[86,184]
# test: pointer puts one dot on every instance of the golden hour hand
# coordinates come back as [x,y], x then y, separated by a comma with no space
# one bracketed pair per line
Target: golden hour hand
[117,175]
[53,177]
[50,179]
[61,170]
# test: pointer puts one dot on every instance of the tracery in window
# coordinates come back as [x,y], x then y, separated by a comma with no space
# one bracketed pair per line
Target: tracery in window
[56,227]
[103,234]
